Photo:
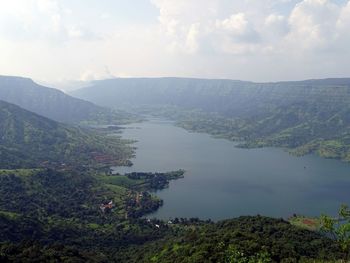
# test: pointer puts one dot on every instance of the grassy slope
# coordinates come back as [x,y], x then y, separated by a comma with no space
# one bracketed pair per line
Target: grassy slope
[29,140]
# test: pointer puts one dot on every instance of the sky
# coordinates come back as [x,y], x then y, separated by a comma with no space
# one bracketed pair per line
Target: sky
[61,41]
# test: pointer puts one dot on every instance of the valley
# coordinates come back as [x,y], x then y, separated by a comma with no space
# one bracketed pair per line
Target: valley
[106,187]
[224,181]
[310,116]
[164,131]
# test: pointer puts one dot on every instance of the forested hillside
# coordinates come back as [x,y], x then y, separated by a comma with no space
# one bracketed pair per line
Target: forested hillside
[55,104]
[53,216]
[304,116]
[29,140]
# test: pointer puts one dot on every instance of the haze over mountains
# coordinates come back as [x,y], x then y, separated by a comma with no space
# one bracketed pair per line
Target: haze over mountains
[53,103]
[305,116]
[228,97]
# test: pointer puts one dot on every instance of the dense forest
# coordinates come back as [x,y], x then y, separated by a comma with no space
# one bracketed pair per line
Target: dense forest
[48,215]
[305,116]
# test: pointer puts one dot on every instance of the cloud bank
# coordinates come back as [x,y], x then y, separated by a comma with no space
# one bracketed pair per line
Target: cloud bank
[249,39]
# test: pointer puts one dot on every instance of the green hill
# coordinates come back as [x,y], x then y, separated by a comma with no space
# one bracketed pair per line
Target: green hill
[30,140]
[55,104]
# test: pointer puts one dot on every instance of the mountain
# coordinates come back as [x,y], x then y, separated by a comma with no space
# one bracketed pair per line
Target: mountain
[157,91]
[231,98]
[311,116]
[30,140]
[53,103]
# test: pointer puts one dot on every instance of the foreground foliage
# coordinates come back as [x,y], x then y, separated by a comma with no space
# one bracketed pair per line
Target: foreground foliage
[339,229]
[50,215]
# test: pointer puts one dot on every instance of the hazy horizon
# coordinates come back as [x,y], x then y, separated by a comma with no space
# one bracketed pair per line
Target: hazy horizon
[65,42]
[69,86]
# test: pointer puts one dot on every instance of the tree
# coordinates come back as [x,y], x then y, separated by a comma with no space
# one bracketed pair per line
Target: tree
[233,255]
[339,229]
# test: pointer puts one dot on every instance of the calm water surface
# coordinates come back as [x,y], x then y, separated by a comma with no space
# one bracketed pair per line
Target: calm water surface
[223,181]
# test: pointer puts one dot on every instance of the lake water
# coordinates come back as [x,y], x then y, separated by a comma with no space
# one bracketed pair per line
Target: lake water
[222,181]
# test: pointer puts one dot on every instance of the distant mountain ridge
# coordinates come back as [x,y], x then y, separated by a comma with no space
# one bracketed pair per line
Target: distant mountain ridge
[310,116]
[229,97]
[52,103]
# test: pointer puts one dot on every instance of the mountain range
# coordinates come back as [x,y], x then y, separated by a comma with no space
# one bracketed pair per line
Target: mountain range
[311,116]
[230,98]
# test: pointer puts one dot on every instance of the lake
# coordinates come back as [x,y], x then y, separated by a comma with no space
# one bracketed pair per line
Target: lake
[222,181]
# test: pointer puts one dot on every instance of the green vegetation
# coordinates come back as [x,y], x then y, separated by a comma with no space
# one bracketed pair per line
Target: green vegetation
[143,181]
[121,180]
[56,211]
[339,229]
[58,216]
[29,140]
[232,255]
[286,128]
[59,203]
[312,224]
[243,239]
[140,201]
[19,172]
[154,181]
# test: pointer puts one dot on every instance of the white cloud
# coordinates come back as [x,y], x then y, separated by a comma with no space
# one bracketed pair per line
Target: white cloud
[235,24]
[39,20]
[276,25]
[48,6]
[247,39]
[313,23]
[192,38]
[342,29]
[96,74]
[252,26]
[239,28]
